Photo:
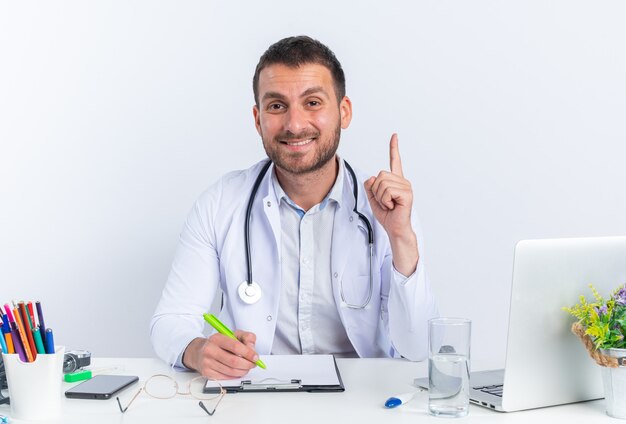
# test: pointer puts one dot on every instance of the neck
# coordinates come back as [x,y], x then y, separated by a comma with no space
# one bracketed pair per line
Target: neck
[307,190]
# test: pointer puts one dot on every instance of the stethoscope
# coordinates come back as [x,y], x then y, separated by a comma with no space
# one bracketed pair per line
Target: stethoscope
[250,292]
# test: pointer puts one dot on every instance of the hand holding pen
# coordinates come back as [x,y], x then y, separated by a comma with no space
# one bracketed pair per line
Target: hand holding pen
[222,356]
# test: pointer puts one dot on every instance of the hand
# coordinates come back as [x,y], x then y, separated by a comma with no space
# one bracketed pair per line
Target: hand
[220,357]
[391,198]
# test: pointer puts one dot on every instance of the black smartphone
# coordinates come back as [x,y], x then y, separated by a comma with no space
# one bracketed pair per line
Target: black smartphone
[101,386]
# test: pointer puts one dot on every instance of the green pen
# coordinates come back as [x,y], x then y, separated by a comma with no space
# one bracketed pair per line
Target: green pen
[222,329]
[38,341]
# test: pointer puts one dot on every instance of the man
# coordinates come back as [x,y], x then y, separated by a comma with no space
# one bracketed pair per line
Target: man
[317,287]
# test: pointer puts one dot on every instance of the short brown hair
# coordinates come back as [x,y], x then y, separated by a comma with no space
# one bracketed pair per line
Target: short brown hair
[297,51]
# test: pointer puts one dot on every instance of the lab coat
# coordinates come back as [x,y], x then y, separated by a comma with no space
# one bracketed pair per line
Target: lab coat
[211,255]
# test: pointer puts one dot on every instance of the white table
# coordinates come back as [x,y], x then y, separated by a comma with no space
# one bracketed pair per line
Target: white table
[368,382]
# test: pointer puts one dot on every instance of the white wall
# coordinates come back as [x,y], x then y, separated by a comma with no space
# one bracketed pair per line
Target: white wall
[115,115]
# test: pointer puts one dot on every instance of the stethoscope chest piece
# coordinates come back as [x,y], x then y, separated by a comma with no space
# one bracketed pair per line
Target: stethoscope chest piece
[249,293]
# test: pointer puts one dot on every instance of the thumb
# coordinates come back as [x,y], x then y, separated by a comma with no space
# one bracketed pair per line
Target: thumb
[368,184]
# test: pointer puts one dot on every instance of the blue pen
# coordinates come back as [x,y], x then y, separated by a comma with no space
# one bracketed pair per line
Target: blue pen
[42,325]
[394,401]
[3,344]
[6,327]
[4,331]
[49,341]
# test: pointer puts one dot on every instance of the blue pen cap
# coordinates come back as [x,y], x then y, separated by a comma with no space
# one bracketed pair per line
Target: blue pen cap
[392,402]
[3,344]
[6,328]
[49,346]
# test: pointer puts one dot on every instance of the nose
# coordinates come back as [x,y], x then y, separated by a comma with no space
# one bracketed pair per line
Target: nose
[295,120]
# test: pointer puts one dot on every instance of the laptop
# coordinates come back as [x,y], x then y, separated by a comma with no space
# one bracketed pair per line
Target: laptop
[545,363]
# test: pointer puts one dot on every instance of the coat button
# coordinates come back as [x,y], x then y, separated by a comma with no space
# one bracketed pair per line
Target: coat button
[269,317]
[269,204]
[351,219]
[335,275]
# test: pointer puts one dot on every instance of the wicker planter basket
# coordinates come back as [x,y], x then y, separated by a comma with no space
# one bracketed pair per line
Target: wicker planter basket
[613,363]
[601,358]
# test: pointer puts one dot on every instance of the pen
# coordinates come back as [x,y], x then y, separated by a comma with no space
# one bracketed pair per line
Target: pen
[4,340]
[31,315]
[3,344]
[49,341]
[23,337]
[28,329]
[398,400]
[9,339]
[25,316]
[42,326]
[7,308]
[17,344]
[222,329]
[38,341]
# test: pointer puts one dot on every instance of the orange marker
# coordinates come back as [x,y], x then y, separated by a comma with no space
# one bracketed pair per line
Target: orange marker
[9,340]
[28,329]
[20,329]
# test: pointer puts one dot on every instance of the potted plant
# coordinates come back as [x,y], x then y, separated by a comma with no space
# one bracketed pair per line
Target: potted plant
[601,326]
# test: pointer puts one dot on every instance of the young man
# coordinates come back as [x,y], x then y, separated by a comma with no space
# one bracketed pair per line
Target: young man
[318,285]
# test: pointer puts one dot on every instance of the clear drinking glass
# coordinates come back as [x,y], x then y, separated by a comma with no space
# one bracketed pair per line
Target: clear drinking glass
[448,366]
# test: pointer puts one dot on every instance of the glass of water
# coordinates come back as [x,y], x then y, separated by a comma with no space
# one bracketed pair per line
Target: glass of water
[448,366]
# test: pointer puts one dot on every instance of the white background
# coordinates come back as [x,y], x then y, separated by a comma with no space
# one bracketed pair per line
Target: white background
[116,115]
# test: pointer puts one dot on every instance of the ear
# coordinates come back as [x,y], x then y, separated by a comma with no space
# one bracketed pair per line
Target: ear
[257,119]
[345,110]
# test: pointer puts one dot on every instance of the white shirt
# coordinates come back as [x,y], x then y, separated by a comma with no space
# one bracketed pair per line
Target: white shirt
[308,321]
[211,255]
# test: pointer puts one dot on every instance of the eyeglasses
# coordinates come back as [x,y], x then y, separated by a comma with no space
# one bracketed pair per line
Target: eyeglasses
[161,386]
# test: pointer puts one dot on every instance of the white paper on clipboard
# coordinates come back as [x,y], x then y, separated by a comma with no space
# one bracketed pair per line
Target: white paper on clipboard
[311,370]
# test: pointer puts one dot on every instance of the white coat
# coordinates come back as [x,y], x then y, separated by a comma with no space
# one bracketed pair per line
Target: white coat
[211,255]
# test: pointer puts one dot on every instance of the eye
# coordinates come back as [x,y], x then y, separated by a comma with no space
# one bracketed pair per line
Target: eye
[275,107]
[314,103]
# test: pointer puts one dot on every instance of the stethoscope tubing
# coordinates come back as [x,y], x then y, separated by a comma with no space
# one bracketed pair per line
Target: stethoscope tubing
[362,217]
[255,188]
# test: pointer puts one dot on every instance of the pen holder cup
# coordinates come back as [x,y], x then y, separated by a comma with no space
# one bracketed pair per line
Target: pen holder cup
[35,387]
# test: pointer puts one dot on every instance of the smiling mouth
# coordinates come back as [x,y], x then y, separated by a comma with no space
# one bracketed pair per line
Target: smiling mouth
[298,143]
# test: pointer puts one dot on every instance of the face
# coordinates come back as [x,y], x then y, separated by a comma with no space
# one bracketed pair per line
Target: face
[298,116]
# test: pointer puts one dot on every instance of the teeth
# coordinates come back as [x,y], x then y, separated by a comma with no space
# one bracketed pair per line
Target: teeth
[301,143]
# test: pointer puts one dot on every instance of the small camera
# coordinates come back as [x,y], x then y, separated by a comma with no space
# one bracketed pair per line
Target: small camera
[74,360]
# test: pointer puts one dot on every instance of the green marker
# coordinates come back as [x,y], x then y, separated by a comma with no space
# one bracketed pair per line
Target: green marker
[222,329]
[38,341]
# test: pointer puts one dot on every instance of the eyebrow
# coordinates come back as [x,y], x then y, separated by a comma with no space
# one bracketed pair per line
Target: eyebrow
[314,90]
[307,92]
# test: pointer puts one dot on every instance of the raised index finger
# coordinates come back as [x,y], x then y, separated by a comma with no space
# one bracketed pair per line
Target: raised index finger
[395,163]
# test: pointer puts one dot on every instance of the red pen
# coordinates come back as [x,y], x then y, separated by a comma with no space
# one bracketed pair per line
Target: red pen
[31,314]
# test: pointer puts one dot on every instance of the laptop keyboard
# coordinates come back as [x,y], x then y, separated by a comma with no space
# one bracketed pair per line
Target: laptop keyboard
[495,389]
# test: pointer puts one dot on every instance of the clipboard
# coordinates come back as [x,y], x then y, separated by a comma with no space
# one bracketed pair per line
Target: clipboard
[286,373]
